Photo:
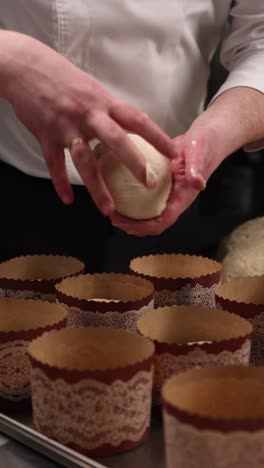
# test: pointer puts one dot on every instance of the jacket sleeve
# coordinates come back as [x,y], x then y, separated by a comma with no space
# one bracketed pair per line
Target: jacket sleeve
[242,52]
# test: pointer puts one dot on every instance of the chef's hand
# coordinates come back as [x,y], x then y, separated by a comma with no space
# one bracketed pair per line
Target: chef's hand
[187,182]
[233,120]
[64,107]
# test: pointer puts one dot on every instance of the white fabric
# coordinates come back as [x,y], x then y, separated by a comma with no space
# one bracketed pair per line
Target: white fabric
[154,54]
[3,440]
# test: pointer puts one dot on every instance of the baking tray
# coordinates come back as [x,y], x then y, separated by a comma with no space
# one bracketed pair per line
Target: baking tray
[149,455]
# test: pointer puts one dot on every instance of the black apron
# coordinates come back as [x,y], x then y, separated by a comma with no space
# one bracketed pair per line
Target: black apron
[35,221]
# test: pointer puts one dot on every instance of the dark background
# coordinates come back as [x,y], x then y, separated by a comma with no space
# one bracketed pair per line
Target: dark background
[234,193]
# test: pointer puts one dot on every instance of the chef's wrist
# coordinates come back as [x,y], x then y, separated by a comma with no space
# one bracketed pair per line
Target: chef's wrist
[238,117]
[13,51]
[18,52]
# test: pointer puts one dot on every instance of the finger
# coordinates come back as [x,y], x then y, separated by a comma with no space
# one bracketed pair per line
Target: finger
[196,179]
[133,120]
[180,199]
[178,168]
[55,160]
[115,138]
[84,161]
[256,146]
[193,152]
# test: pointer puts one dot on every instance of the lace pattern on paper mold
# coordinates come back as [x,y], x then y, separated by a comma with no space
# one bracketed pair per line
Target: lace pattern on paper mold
[167,364]
[90,413]
[17,294]
[210,448]
[257,347]
[188,295]
[257,344]
[14,371]
[126,320]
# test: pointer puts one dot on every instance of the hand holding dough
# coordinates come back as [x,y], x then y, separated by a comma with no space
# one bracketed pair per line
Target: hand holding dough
[132,199]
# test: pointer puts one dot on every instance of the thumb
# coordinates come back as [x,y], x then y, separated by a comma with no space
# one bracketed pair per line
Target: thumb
[55,160]
[194,152]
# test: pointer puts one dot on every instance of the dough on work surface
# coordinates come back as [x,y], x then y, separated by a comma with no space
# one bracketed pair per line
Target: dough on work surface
[242,252]
[132,199]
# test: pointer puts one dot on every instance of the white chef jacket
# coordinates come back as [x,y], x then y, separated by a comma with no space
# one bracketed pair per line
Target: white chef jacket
[154,54]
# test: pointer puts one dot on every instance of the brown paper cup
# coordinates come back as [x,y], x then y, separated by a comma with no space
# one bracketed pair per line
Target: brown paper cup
[108,300]
[245,297]
[186,337]
[35,276]
[214,417]
[21,321]
[179,279]
[91,388]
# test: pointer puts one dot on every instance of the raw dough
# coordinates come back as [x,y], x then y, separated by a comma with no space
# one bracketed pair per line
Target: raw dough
[242,252]
[131,198]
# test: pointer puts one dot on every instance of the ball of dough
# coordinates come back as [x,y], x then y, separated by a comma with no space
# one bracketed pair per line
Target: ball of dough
[133,199]
[242,252]
[243,262]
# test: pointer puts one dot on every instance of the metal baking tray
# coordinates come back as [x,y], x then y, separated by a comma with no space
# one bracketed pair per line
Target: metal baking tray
[148,455]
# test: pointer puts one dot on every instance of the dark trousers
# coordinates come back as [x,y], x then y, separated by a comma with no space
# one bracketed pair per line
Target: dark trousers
[35,221]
